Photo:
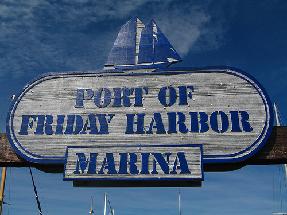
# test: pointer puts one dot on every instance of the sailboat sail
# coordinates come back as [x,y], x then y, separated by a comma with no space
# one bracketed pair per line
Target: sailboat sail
[163,50]
[140,45]
[155,47]
[124,49]
[146,45]
[277,115]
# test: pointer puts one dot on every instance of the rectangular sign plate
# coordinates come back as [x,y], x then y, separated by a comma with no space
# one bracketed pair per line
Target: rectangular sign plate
[132,163]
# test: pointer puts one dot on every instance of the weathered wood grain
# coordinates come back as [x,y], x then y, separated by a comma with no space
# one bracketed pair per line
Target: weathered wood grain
[214,91]
[274,152]
[7,156]
[93,164]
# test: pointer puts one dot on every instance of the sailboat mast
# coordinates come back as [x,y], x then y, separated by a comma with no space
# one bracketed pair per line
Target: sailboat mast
[139,27]
[92,206]
[278,123]
[277,119]
[105,206]
[179,203]
[2,188]
[154,31]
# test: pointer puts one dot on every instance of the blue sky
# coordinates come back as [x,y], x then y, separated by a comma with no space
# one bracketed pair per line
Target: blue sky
[76,35]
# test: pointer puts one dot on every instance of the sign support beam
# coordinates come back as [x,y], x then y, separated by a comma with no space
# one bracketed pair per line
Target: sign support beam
[274,152]
[2,188]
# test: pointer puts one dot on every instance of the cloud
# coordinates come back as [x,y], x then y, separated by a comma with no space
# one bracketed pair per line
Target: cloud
[183,26]
[49,35]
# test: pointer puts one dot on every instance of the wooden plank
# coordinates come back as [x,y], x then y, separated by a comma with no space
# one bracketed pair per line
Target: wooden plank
[7,156]
[274,152]
[183,163]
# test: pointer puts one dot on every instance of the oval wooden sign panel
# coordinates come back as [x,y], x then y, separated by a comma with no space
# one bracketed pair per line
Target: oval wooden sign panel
[223,109]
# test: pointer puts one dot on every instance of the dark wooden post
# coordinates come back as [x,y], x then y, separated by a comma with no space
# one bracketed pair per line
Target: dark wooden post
[274,152]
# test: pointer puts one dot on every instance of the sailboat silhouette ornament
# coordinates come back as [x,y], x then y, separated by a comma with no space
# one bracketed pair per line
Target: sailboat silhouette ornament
[141,46]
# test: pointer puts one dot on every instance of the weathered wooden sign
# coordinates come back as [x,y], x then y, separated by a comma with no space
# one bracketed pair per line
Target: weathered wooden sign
[182,162]
[222,109]
[135,121]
